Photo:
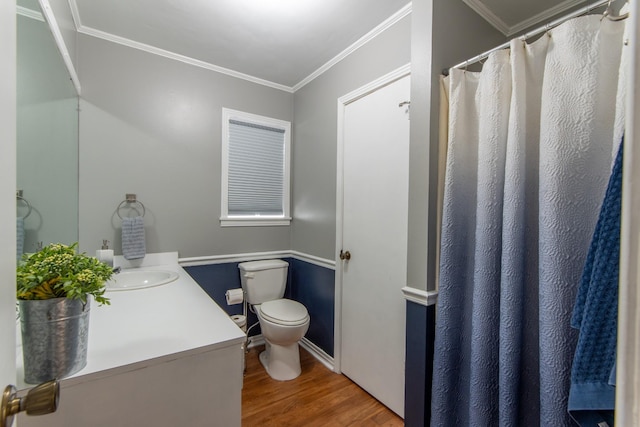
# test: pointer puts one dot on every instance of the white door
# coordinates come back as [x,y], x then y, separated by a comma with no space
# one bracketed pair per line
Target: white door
[374,230]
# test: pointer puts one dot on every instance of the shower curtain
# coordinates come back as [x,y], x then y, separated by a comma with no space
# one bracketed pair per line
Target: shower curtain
[531,143]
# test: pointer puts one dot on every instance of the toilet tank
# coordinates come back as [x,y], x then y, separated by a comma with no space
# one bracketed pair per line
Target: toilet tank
[263,280]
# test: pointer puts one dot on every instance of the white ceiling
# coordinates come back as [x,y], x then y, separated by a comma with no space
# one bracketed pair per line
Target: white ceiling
[280,43]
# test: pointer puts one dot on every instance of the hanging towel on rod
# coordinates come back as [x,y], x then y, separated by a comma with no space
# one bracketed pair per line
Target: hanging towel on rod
[133,239]
[19,237]
[592,393]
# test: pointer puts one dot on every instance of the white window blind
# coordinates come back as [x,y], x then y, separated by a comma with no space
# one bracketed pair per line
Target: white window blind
[256,169]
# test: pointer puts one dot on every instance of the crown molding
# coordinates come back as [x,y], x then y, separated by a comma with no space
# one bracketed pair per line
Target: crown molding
[543,16]
[50,18]
[388,23]
[75,14]
[29,13]
[177,57]
[89,31]
[488,15]
[481,9]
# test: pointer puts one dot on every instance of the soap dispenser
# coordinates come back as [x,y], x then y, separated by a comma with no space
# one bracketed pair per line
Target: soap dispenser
[105,254]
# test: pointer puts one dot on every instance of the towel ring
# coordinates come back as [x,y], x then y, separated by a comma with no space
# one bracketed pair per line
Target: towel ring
[28,206]
[130,198]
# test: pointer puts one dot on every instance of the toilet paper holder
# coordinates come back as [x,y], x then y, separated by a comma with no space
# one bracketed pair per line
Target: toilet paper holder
[234,296]
[237,296]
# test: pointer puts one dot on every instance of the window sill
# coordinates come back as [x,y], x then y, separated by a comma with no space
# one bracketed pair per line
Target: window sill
[254,222]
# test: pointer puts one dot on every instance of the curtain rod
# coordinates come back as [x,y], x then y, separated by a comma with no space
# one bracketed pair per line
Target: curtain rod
[530,34]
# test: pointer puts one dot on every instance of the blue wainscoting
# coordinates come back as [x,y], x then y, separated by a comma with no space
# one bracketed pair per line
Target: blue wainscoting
[309,284]
[215,280]
[419,364]
[314,287]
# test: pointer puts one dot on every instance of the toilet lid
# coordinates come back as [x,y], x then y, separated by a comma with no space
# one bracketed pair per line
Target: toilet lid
[284,312]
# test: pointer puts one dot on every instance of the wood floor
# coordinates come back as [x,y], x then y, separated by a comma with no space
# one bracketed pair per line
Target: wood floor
[318,397]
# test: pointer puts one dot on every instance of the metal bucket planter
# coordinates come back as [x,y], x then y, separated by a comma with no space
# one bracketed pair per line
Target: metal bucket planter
[55,333]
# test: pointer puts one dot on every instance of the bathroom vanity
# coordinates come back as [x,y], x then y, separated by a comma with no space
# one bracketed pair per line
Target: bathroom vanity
[159,356]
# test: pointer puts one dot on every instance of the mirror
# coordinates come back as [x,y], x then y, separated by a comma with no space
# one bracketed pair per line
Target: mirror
[47,136]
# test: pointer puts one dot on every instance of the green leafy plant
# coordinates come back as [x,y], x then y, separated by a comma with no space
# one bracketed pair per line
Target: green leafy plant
[58,271]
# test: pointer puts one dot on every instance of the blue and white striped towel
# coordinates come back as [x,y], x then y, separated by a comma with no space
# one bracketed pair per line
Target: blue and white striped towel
[19,237]
[133,243]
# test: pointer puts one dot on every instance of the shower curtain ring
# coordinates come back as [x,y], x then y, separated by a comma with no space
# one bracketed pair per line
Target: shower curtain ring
[607,14]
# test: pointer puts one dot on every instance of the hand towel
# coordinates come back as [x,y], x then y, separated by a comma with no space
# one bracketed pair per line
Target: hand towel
[19,237]
[133,243]
[591,395]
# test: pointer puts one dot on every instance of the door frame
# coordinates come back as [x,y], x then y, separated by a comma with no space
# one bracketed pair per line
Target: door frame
[343,101]
[628,357]
[8,108]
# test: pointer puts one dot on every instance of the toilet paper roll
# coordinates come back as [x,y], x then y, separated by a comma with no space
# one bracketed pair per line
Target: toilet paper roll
[240,320]
[234,296]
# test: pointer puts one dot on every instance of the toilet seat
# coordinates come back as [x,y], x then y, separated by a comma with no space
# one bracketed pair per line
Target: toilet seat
[284,312]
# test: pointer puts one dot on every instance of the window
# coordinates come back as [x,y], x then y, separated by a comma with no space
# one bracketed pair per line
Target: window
[255,170]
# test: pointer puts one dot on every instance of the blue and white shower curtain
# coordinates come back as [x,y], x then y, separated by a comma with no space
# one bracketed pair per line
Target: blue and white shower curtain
[531,142]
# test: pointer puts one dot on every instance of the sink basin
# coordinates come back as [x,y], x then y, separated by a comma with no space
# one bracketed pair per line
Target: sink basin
[139,279]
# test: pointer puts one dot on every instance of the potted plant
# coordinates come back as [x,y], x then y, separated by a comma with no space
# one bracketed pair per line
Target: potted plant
[54,290]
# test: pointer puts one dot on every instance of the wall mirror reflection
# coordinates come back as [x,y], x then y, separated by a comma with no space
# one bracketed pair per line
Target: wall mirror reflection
[47,137]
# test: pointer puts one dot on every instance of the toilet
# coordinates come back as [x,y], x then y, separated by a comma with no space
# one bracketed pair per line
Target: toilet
[283,321]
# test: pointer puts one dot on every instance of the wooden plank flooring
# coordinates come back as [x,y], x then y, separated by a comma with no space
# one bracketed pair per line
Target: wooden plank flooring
[318,397]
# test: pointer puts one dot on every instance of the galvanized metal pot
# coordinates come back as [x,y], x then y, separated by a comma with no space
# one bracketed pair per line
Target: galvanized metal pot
[55,335]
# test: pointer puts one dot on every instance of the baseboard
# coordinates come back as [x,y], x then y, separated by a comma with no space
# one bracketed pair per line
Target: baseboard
[318,353]
[255,341]
[314,350]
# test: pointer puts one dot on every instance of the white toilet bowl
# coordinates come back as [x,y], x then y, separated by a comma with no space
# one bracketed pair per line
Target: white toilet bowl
[283,323]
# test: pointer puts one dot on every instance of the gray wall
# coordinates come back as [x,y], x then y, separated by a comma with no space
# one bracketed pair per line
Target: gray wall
[315,136]
[444,33]
[430,45]
[152,126]
[421,90]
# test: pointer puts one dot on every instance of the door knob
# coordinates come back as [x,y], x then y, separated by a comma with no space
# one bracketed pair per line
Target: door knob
[345,255]
[40,400]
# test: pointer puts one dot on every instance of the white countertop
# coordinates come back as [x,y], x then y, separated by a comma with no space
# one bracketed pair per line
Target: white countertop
[143,327]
